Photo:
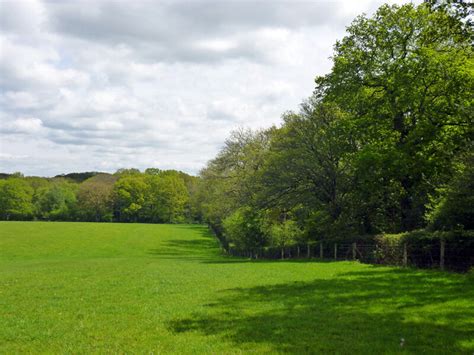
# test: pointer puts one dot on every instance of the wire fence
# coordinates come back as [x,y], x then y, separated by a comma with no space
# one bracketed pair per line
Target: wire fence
[437,254]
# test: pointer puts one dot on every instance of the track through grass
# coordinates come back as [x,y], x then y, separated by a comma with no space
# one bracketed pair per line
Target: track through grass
[138,288]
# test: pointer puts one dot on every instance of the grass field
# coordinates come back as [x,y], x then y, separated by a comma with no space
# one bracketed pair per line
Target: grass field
[137,288]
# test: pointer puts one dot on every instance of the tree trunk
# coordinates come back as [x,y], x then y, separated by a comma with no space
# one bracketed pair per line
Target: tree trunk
[442,253]
[405,255]
[405,205]
[282,253]
[408,219]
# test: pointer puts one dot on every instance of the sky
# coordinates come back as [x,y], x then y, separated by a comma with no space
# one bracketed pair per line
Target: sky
[103,85]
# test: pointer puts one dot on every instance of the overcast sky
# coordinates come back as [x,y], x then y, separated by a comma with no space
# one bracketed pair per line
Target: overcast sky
[98,85]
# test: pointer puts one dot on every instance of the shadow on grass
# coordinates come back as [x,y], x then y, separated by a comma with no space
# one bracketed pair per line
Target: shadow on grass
[207,251]
[201,246]
[205,248]
[357,312]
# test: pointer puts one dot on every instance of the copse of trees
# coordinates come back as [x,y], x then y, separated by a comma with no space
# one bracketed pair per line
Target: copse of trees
[153,196]
[384,144]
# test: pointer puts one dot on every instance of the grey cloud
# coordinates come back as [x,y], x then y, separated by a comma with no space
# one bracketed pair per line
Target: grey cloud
[21,16]
[244,15]
[168,31]
[215,113]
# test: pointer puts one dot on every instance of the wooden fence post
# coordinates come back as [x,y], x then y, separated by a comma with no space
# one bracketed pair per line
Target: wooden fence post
[441,254]
[309,251]
[405,255]
[354,247]
[335,251]
[321,250]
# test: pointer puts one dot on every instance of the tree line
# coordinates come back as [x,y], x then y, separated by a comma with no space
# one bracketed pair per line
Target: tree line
[383,145]
[152,196]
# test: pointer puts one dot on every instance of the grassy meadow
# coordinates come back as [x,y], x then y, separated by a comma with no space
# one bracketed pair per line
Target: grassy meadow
[142,288]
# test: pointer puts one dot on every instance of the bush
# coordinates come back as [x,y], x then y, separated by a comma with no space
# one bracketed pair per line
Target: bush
[454,207]
[243,231]
[389,249]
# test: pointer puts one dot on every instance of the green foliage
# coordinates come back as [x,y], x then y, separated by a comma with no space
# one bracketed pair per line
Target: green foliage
[16,197]
[156,196]
[129,197]
[406,78]
[243,230]
[231,180]
[423,248]
[94,198]
[167,198]
[78,177]
[284,234]
[455,206]
[308,160]
[56,201]
[127,172]
[389,249]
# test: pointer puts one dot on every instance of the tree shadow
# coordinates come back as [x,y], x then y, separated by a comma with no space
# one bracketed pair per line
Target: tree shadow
[200,246]
[357,312]
[204,247]
[206,250]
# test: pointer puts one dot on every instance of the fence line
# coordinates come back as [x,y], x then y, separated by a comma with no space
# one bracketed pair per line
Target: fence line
[436,255]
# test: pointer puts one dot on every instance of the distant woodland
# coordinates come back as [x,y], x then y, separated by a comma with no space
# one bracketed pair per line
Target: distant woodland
[154,196]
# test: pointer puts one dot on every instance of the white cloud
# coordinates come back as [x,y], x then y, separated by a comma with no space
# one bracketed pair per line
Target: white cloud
[98,86]
[218,45]
[28,125]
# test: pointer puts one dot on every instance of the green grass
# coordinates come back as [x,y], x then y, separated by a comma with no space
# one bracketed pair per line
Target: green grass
[137,288]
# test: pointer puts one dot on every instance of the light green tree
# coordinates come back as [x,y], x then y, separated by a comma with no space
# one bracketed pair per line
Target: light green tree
[284,235]
[16,197]
[130,193]
[167,198]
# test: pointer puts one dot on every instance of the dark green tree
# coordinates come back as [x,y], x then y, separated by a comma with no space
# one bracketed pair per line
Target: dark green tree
[309,165]
[454,206]
[57,201]
[405,76]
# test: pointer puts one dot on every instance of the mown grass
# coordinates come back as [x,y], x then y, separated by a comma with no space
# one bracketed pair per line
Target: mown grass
[137,288]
